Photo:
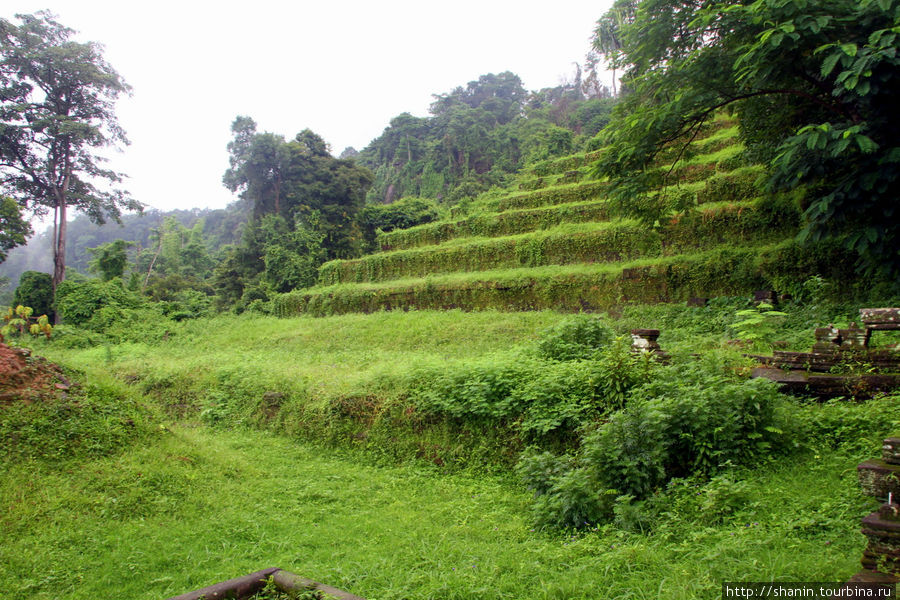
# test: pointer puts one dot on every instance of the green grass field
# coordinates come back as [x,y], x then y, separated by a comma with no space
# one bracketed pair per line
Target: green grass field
[185,504]
[193,506]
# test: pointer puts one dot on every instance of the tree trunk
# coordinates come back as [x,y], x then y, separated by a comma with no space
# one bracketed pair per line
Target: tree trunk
[59,252]
[152,262]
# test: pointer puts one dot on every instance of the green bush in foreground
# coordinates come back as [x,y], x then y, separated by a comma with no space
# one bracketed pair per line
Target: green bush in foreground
[35,290]
[689,421]
[535,396]
[578,337]
[79,302]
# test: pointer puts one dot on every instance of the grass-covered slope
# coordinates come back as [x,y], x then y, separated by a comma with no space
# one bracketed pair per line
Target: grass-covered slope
[551,241]
[190,495]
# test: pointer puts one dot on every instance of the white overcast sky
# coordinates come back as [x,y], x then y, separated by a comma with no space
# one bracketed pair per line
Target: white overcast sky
[342,68]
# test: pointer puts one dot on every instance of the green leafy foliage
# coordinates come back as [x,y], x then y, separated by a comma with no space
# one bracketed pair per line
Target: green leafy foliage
[758,324]
[92,420]
[813,84]
[110,260]
[14,230]
[20,321]
[689,420]
[579,337]
[91,303]
[578,376]
[49,153]
[402,214]
[35,290]
[293,180]
[479,134]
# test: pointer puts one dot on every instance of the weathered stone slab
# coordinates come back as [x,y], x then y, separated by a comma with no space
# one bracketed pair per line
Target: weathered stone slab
[248,585]
[867,576]
[768,296]
[823,362]
[880,318]
[890,451]
[853,338]
[882,529]
[878,478]
[828,339]
[829,386]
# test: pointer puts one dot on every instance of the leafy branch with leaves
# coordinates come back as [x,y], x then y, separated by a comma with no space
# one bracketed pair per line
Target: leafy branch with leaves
[814,85]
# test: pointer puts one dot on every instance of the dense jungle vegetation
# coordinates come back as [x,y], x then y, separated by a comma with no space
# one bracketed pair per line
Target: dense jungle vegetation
[406,371]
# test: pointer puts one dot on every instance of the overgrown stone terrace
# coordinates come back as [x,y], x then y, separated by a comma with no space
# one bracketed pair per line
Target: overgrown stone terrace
[835,350]
[551,241]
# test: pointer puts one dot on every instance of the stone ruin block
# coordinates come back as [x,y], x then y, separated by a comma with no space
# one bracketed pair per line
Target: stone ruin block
[831,339]
[828,339]
[768,296]
[882,530]
[880,318]
[879,478]
[854,338]
[644,340]
[890,451]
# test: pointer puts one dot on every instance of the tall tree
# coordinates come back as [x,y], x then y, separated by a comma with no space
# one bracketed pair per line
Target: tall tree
[815,85]
[607,41]
[258,164]
[56,113]
[292,179]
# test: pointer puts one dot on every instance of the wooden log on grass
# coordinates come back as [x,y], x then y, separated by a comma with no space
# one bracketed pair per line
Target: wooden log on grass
[244,587]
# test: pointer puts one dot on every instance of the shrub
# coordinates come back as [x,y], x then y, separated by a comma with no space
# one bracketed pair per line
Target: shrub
[188,304]
[578,337]
[78,301]
[20,321]
[474,391]
[537,398]
[95,420]
[35,290]
[690,421]
[402,214]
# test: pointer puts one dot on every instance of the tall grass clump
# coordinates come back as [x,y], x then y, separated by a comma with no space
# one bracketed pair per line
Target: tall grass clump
[95,419]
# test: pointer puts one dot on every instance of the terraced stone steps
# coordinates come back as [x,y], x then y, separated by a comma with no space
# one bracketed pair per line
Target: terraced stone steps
[722,271]
[494,224]
[572,244]
[551,241]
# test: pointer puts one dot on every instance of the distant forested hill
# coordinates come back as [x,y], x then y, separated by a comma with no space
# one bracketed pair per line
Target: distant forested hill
[479,135]
[219,227]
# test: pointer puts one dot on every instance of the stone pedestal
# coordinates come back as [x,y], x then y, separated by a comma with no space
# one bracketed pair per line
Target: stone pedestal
[882,528]
[644,340]
[882,477]
[879,478]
